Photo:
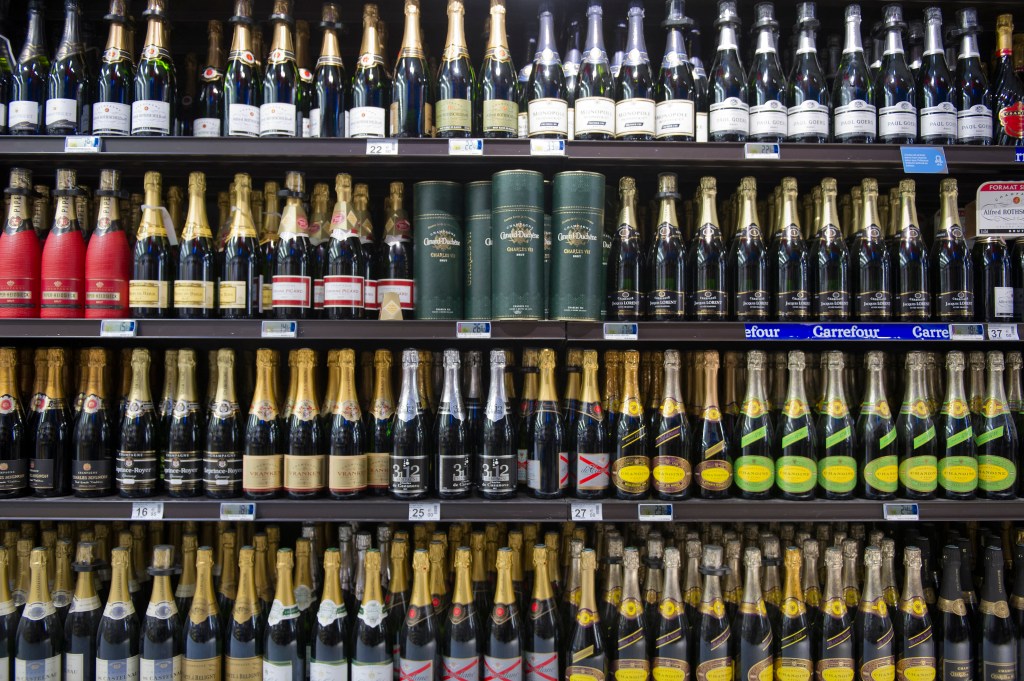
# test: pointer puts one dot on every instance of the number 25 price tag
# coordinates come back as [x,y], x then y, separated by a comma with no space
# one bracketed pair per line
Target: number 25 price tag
[425,513]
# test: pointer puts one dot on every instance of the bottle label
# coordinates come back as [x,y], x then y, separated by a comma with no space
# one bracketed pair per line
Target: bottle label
[328,671]
[23,116]
[261,473]
[460,668]
[874,304]
[592,471]
[837,474]
[770,118]
[794,303]
[708,303]
[117,670]
[148,293]
[915,669]
[303,473]
[48,669]
[1002,297]
[104,294]
[808,118]
[595,116]
[378,470]
[222,471]
[674,117]
[232,295]
[857,118]
[956,304]
[541,666]
[243,120]
[720,669]
[836,669]
[548,116]
[634,117]
[277,671]
[670,669]
[880,669]
[992,669]
[416,670]
[662,303]
[524,125]
[939,121]
[497,473]
[193,294]
[501,116]
[367,122]
[751,303]
[915,304]
[151,117]
[714,475]
[630,670]
[996,473]
[403,288]
[136,470]
[974,123]
[454,115]
[380,671]
[291,291]
[672,474]
[796,474]
[958,473]
[755,473]
[74,668]
[346,474]
[61,112]
[702,126]
[632,474]
[86,476]
[899,120]
[206,127]
[409,474]
[883,473]
[242,668]
[581,673]
[731,117]
[370,295]
[342,291]
[919,473]
[278,119]
[111,119]
[14,472]
[503,669]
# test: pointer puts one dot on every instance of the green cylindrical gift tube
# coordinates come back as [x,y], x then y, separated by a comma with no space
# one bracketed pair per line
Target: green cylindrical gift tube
[517,254]
[577,275]
[438,252]
[477,266]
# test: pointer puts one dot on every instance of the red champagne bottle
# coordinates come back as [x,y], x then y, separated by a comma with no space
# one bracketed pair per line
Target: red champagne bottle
[19,252]
[108,260]
[63,264]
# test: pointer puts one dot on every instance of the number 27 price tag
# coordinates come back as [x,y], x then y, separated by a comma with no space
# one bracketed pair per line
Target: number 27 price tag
[425,513]
[585,512]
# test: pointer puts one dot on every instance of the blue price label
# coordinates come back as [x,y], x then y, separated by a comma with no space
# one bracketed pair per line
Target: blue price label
[924,160]
[847,332]
[118,328]
[473,330]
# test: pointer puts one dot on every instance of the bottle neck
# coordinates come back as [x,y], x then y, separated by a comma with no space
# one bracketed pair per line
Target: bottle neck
[950,589]
[636,46]
[588,597]
[969,46]
[140,383]
[420,587]
[463,592]
[908,214]
[497,40]
[631,584]
[541,582]
[995,390]
[869,214]
[727,38]
[154,34]
[790,217]
[451,394]
[497,398]
[675,45]
[38,590]
[368,53]
[225,384]
[411,46]
[765,42]
[713,589]
[708,211]
[893,42]
[756,389]
[455,44]
[69,41]
[933,43]
[196,223]
[409,397]
[834,584]
[667,216]
[595,38]
[284,592]
[282,43]
[807,42]
[912,588]
[214,52]
[34,46]
[834,386]
[793,588]
[547,49]
[119,586]
[992,589]
[872,584]
[852,40]
[241,39]
[949,217]
[547,392]
[627,215]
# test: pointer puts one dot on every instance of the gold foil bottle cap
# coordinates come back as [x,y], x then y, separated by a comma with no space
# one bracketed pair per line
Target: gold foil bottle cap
[332,559]
[21,178]
[793,558]
[463,557]
[995,360]
[226,358]
[1004,22]
[833,557]
[668,183]
[948,186]
[712,558]
[243,9]
[588,560]
[908,187]
[503,560]
[547,359]
[163,557]
[152,182]
[67,178]
[282,10]
[627,184]
[118,11]
[748,186]
[295,182]
[285,559]
[196,182]
[869,186]
[797,360]
[330,15]
[672,560]
[955,360]
[850,548]
[872,556]
[835,360]
[789,185]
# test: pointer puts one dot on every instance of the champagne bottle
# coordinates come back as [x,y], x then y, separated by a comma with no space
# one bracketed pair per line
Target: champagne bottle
[456,82]
[412,99]
[729,113]
[916,647]
[995,647]
[62,588]
[666,260]
[496,475]
[227,584]
[611,590]
[571,585]
[14,448]
[137,466]
[347,463]
[380,422]
[671,644]
[185,431]
[958,454]
[345,268]
[371,85]
[631,464]
[329,637]
[676,91]
[547,459]
[937,113]
[594,91]
[20,250]
[753,627]
[952,269]
[542,643]
[304,461]
[81,624]
[52,440]
[93,440]
[916,440]
[872,271]
[707,261]
[673,460]
[185,591]
[371,650]
[454,473]
[748,260]
[793,650]
[281,108]
[419,651]
[284,647]
[411,437]
[156,87]
[499,86]
[197,270]
[243,84]
[39,644]
[894,85]
[503,637]
[995,437]
[545,93]
[837,442]
[830,261]
[789,261]
[261,460]
[1008,89]
[153,266]
[243,647]
[328,112]
[714,471]
[807,92]
[766,84]
[834,638]
[69,91]
[62,266]
[461,642]
[585,654]
[634,86]
[877,434]
[117,639]
[911,297]
[714,636]
[797,464]
[160,642]
[853,92]
[395,267]
[239,291]
[571,66]
[626,260]
[875,649]
[292,288]
[29,82]
[222,459]
[971,94]
[956,648]
[209,103]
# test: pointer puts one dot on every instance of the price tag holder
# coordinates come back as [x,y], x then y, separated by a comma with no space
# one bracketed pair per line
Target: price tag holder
[967,332]
[1003,332]
[381,147]
[762,151]
[83,144]
[147,510]
[472,329]
[425,513]
[466,147]
[924,160]
[119,328]
[616,331]
[541,147]
[585,512]
[237,511]
[275,329]
[901,512]
[654,513]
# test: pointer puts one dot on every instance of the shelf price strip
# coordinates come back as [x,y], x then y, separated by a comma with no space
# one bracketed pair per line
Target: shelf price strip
[654,513]
[1003,332]
[147,510]
[119,328]
[238,511]
[586,512]
[425,512]
[901,512]
[381,147]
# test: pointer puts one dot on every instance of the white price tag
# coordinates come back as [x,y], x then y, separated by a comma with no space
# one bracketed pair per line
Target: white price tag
[118,328]
[428,512]
[585,512]
[617,331]
[466,147]
[542,147]
[901,512]
[280,329]
[654,513]
[379,147]
[1003,332]
[472,329]
[237,511]
[83,144]
[967,332]
[761,151]
[147,510]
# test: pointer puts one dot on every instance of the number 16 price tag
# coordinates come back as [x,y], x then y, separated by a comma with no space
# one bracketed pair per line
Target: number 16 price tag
[148,510]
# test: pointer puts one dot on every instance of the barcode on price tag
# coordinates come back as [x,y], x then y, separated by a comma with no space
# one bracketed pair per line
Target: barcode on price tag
[542,147]
[428,512]
[466,147]
[148,510]
[118,328]
[237,511]
[585,512]
[379,147]
[1003,332]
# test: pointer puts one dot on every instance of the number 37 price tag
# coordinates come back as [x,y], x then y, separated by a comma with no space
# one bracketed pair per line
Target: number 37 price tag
[425,513]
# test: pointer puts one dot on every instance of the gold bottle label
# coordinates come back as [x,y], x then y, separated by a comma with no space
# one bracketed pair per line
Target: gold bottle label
[378,469]
[242,668]
[347,474]
[303,473]
[193,294]
[148,293]
[202,670]
[261,473]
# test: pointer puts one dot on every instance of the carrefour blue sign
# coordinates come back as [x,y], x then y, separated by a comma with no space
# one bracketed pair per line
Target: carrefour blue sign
[847,332]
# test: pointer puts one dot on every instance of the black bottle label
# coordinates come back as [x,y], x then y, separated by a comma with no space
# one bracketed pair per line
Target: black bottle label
[915,303]
[956,304]
[625,304]
[497,474]
[136,469]
[709,303]
[181,470]
[751,303]
[453,473]
[409,474]
[222,470]
[834,304]
[90,476]
[40,474]
[13,475]
[794,303]
[874,303]
[663,303]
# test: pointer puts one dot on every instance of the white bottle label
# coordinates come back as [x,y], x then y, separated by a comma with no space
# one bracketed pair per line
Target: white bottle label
[61,111]
[524,125]
[503,669]
[314,123]
[808,118]
[277,671]
[74,667]
[206,127]
[160,670]
[329,671]
[342,291]
[307,127]
[856,118]
[974,123]
[731,117]
[899,120]
[3,124]
[383,671]
[416,670]
[38,670]
[460,668]
[674,117]
[151,116]
[118,670]
[541,666]
[595,116]
[769,118]
[22,113]
[548,117]
[291,291]
[702,126]
[939,121]
[1002,297]
[243,121]
[278,119]
[634,117]
[111,118]
[367,121]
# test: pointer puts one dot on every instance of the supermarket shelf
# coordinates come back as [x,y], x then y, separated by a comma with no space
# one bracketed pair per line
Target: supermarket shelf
[519,509]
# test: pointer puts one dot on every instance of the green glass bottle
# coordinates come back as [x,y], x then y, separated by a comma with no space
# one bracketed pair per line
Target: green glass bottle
[156,87]
[499,86]
[755,462]
[958,453]
[916,441]
[243,83]
[996,438]
[412,100]
[456,81]
[545,93]
[714,471]
[876,432]
[281,108]
[797,439]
